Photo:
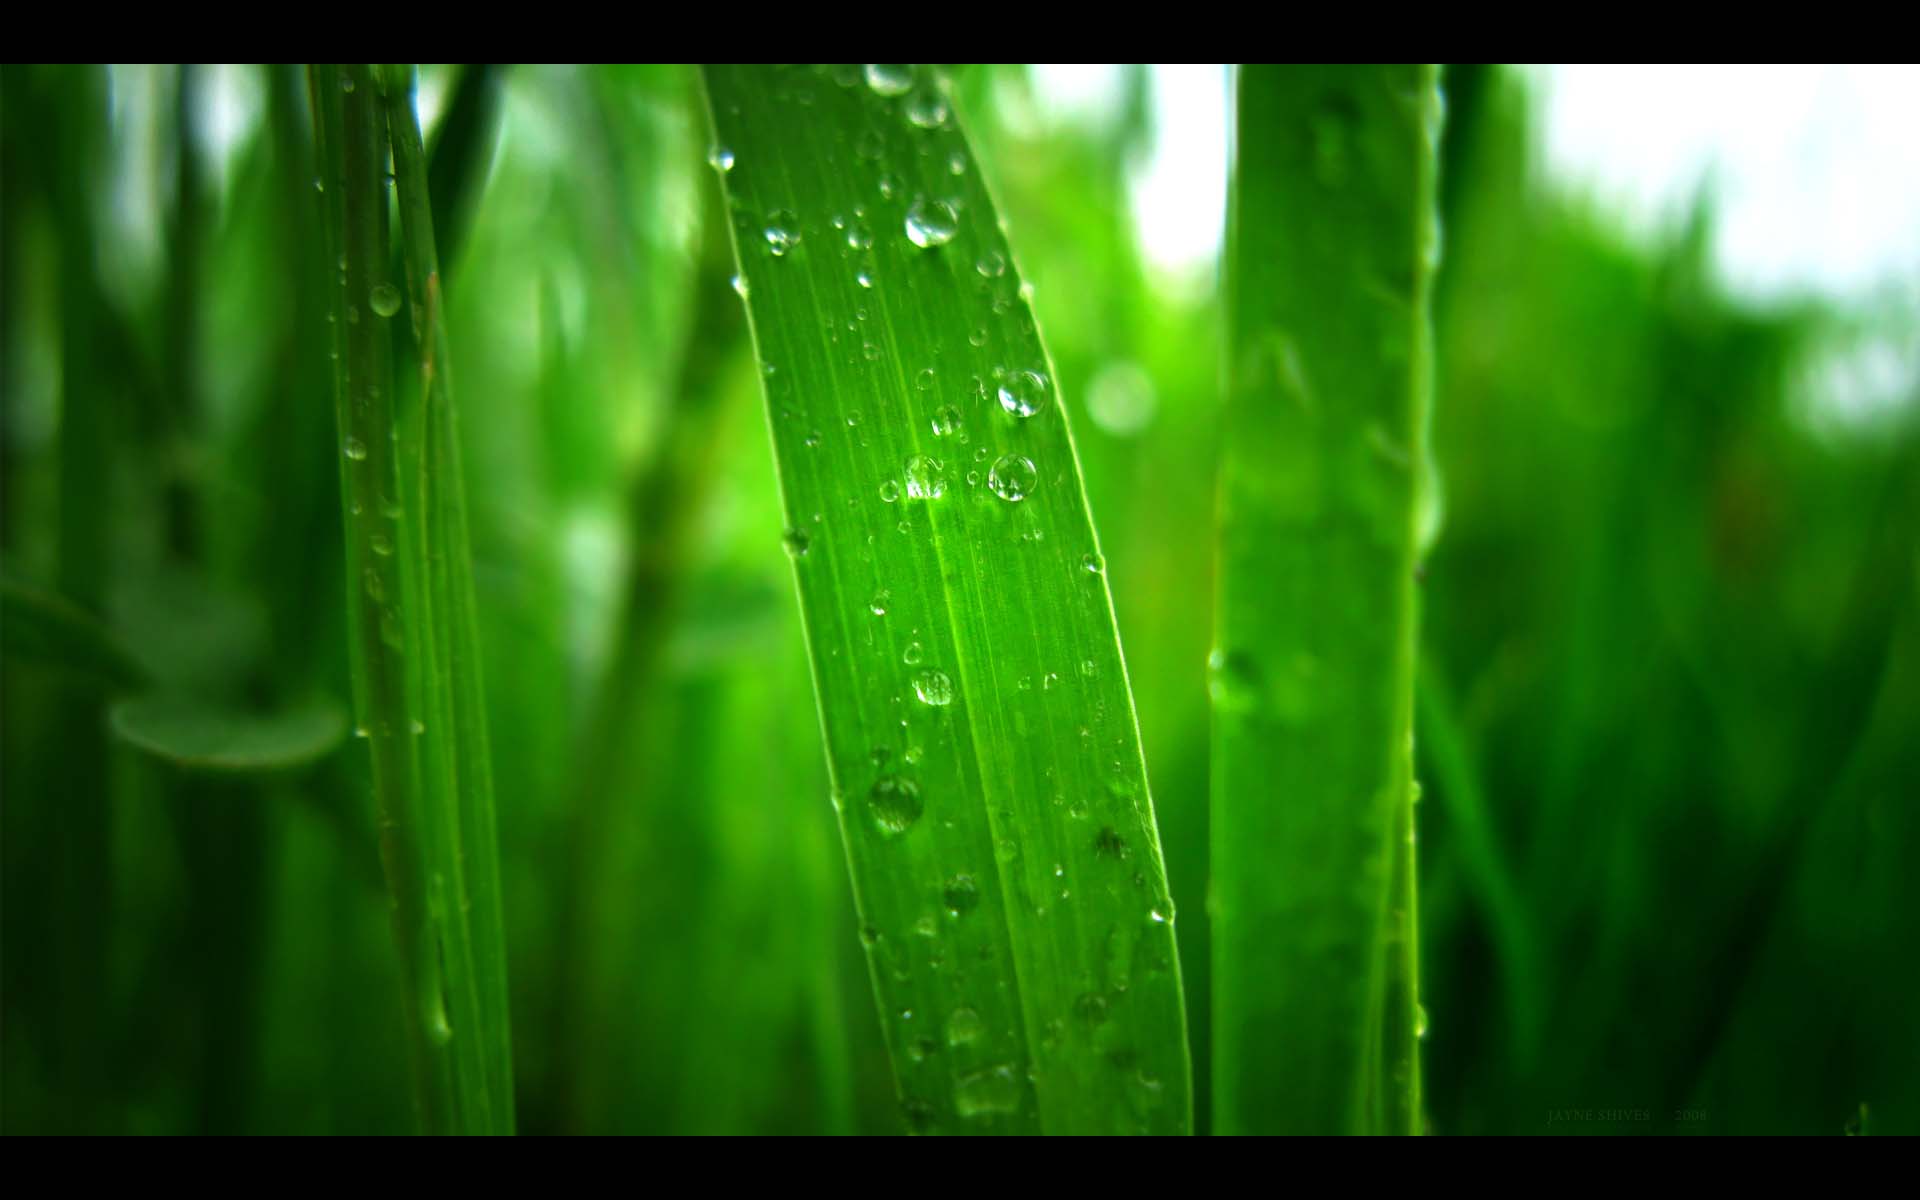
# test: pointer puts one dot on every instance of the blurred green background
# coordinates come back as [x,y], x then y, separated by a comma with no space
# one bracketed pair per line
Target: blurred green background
[1669,712]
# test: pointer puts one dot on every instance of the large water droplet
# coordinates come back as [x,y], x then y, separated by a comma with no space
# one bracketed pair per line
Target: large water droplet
[926,479]
[1012,477]
[927,107]
[1023,393]
[989,1093]
[933,687]
[931,223]
[385,299]
[889,79]
[961,894]
[964,1027]
[895,803]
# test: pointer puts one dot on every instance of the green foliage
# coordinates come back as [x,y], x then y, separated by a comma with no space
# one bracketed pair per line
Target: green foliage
[1331,248]
[980,733]
[1668,660]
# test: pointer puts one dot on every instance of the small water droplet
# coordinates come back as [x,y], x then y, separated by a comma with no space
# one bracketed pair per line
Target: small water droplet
[384,299]
[1419,1020]
[720,158]
[933,687]
[889,79]
[380,544]
[931,223]
[992,264]
[1012,477]
[1093,564]
[913,654]
[796,543]
[890,491]
[947,421]
[354,449]
[740,286]
[878,605]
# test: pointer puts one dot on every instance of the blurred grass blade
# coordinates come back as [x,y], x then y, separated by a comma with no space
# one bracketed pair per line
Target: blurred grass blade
[410,596]
[979,728]
[203,737]
[1331,248]
[43,627]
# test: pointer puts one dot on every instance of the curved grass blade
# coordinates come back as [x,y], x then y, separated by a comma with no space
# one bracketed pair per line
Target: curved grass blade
[1331,245]
[979,729]
[197,736]
[410,601]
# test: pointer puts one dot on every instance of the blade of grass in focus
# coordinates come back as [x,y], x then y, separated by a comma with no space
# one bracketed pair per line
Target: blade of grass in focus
[979,728]
[410,596]
[1331,251]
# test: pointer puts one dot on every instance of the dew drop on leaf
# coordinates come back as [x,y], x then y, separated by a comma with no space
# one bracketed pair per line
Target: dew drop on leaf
[782,232]
[895,803]
[931,223]
[385,299]
[934,687]
[1012,477]
[926,479]
[1023,393]
[889,79]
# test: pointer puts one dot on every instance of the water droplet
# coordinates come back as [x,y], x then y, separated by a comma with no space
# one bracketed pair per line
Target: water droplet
[926,479]
[859,235]
[1159,916]
[720,158]
[354,449]
[989,1093]
[946,421]
[782,232]
[1012,477]
[864,279]
[914,653]
[1093,564]
[380,544]
[924,380]
[1110,844]
[878,605]
[796,543]
[740,286]
[889,79]
[961,894]
[964,1027]
[385,299]
[1419,1020]
[931,223]
[895,803]
[890,491]
[992,264]
[927,107]
[1023,393]
[933,687]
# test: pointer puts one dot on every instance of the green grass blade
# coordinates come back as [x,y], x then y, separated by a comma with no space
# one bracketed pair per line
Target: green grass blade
[979,728]
[1331,246]
[198,736]
[410,597]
